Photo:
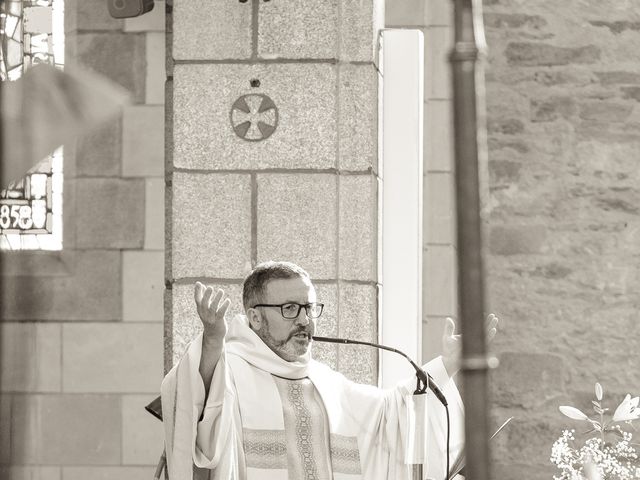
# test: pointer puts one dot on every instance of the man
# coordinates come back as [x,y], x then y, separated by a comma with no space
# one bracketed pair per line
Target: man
[248,402]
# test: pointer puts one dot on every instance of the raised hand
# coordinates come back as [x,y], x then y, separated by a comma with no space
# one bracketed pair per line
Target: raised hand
[211,312]
[452,343]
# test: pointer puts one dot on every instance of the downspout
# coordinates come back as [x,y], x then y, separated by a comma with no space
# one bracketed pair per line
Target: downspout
[469,132]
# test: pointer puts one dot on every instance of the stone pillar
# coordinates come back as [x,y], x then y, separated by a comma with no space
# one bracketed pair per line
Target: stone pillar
[272,154]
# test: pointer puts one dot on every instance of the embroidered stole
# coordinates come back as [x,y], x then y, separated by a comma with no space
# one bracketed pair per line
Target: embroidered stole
[286,429]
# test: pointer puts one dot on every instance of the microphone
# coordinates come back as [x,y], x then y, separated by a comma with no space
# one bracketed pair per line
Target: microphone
[423,376]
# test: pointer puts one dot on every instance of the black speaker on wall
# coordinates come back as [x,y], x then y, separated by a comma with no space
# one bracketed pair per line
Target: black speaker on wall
[129,8]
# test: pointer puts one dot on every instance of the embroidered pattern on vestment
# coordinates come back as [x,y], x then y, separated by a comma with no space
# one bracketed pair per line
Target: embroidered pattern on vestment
[306,430]
[265,448]
[302,447]
[345,456]
[303,431]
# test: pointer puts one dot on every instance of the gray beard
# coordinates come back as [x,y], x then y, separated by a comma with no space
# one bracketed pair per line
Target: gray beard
[283,348]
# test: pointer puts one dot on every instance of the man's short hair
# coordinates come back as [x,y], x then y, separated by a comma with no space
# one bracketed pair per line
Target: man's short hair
[254,285]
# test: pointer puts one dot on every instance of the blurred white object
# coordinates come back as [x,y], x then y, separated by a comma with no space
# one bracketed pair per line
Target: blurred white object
[417,442]
[48,107]
[402,57]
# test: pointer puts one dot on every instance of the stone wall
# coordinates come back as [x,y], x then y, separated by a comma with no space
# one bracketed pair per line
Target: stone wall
[307,193]
[562,260]
[563,118]
[82,329]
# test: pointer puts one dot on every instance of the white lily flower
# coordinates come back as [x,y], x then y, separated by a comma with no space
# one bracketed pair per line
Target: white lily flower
[627,410]
[598,391]
[574,413]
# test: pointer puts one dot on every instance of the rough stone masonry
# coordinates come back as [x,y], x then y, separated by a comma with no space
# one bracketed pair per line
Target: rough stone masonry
[563,231]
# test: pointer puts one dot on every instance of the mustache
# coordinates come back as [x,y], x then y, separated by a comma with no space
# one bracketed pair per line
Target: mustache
[300,330]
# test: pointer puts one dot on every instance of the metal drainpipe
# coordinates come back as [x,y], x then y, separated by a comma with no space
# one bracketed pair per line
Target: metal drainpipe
[2,185]
[469,43]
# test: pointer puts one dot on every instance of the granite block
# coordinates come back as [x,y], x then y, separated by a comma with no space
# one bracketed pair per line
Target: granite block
[359,25]
[98,152]
[437,75]
[110,213]
[66,429]
[358,117]
[438,136]
[297,221]
[142,286]
[154,214]
[90,291]
[186,324]
[118,56]
[298,29]
[304,95]
[439,281]
[156,74]
[358,320]
[358,236]
[211,225]
[439,208]
[142,433]
[119,357]
[30,357]
[224,30]
[143,141]
[327,324]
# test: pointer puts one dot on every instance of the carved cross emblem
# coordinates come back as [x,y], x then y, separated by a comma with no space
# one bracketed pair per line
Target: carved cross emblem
[254,117]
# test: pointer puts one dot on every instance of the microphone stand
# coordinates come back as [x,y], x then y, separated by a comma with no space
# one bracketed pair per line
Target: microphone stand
[417,411]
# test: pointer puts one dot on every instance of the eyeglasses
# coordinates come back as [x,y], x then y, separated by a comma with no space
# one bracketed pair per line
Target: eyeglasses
[290,311]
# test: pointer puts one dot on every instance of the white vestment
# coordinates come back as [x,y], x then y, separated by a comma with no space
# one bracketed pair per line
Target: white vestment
[239,432]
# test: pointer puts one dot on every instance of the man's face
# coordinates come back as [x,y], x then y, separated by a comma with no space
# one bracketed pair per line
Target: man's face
[290,339]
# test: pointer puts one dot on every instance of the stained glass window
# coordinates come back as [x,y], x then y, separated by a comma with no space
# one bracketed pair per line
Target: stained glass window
[32,32]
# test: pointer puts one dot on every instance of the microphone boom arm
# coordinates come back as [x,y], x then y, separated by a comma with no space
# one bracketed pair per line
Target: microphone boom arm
[423,376]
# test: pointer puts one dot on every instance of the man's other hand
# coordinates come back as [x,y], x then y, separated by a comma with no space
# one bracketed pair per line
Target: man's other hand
[452,343]
[211,310]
